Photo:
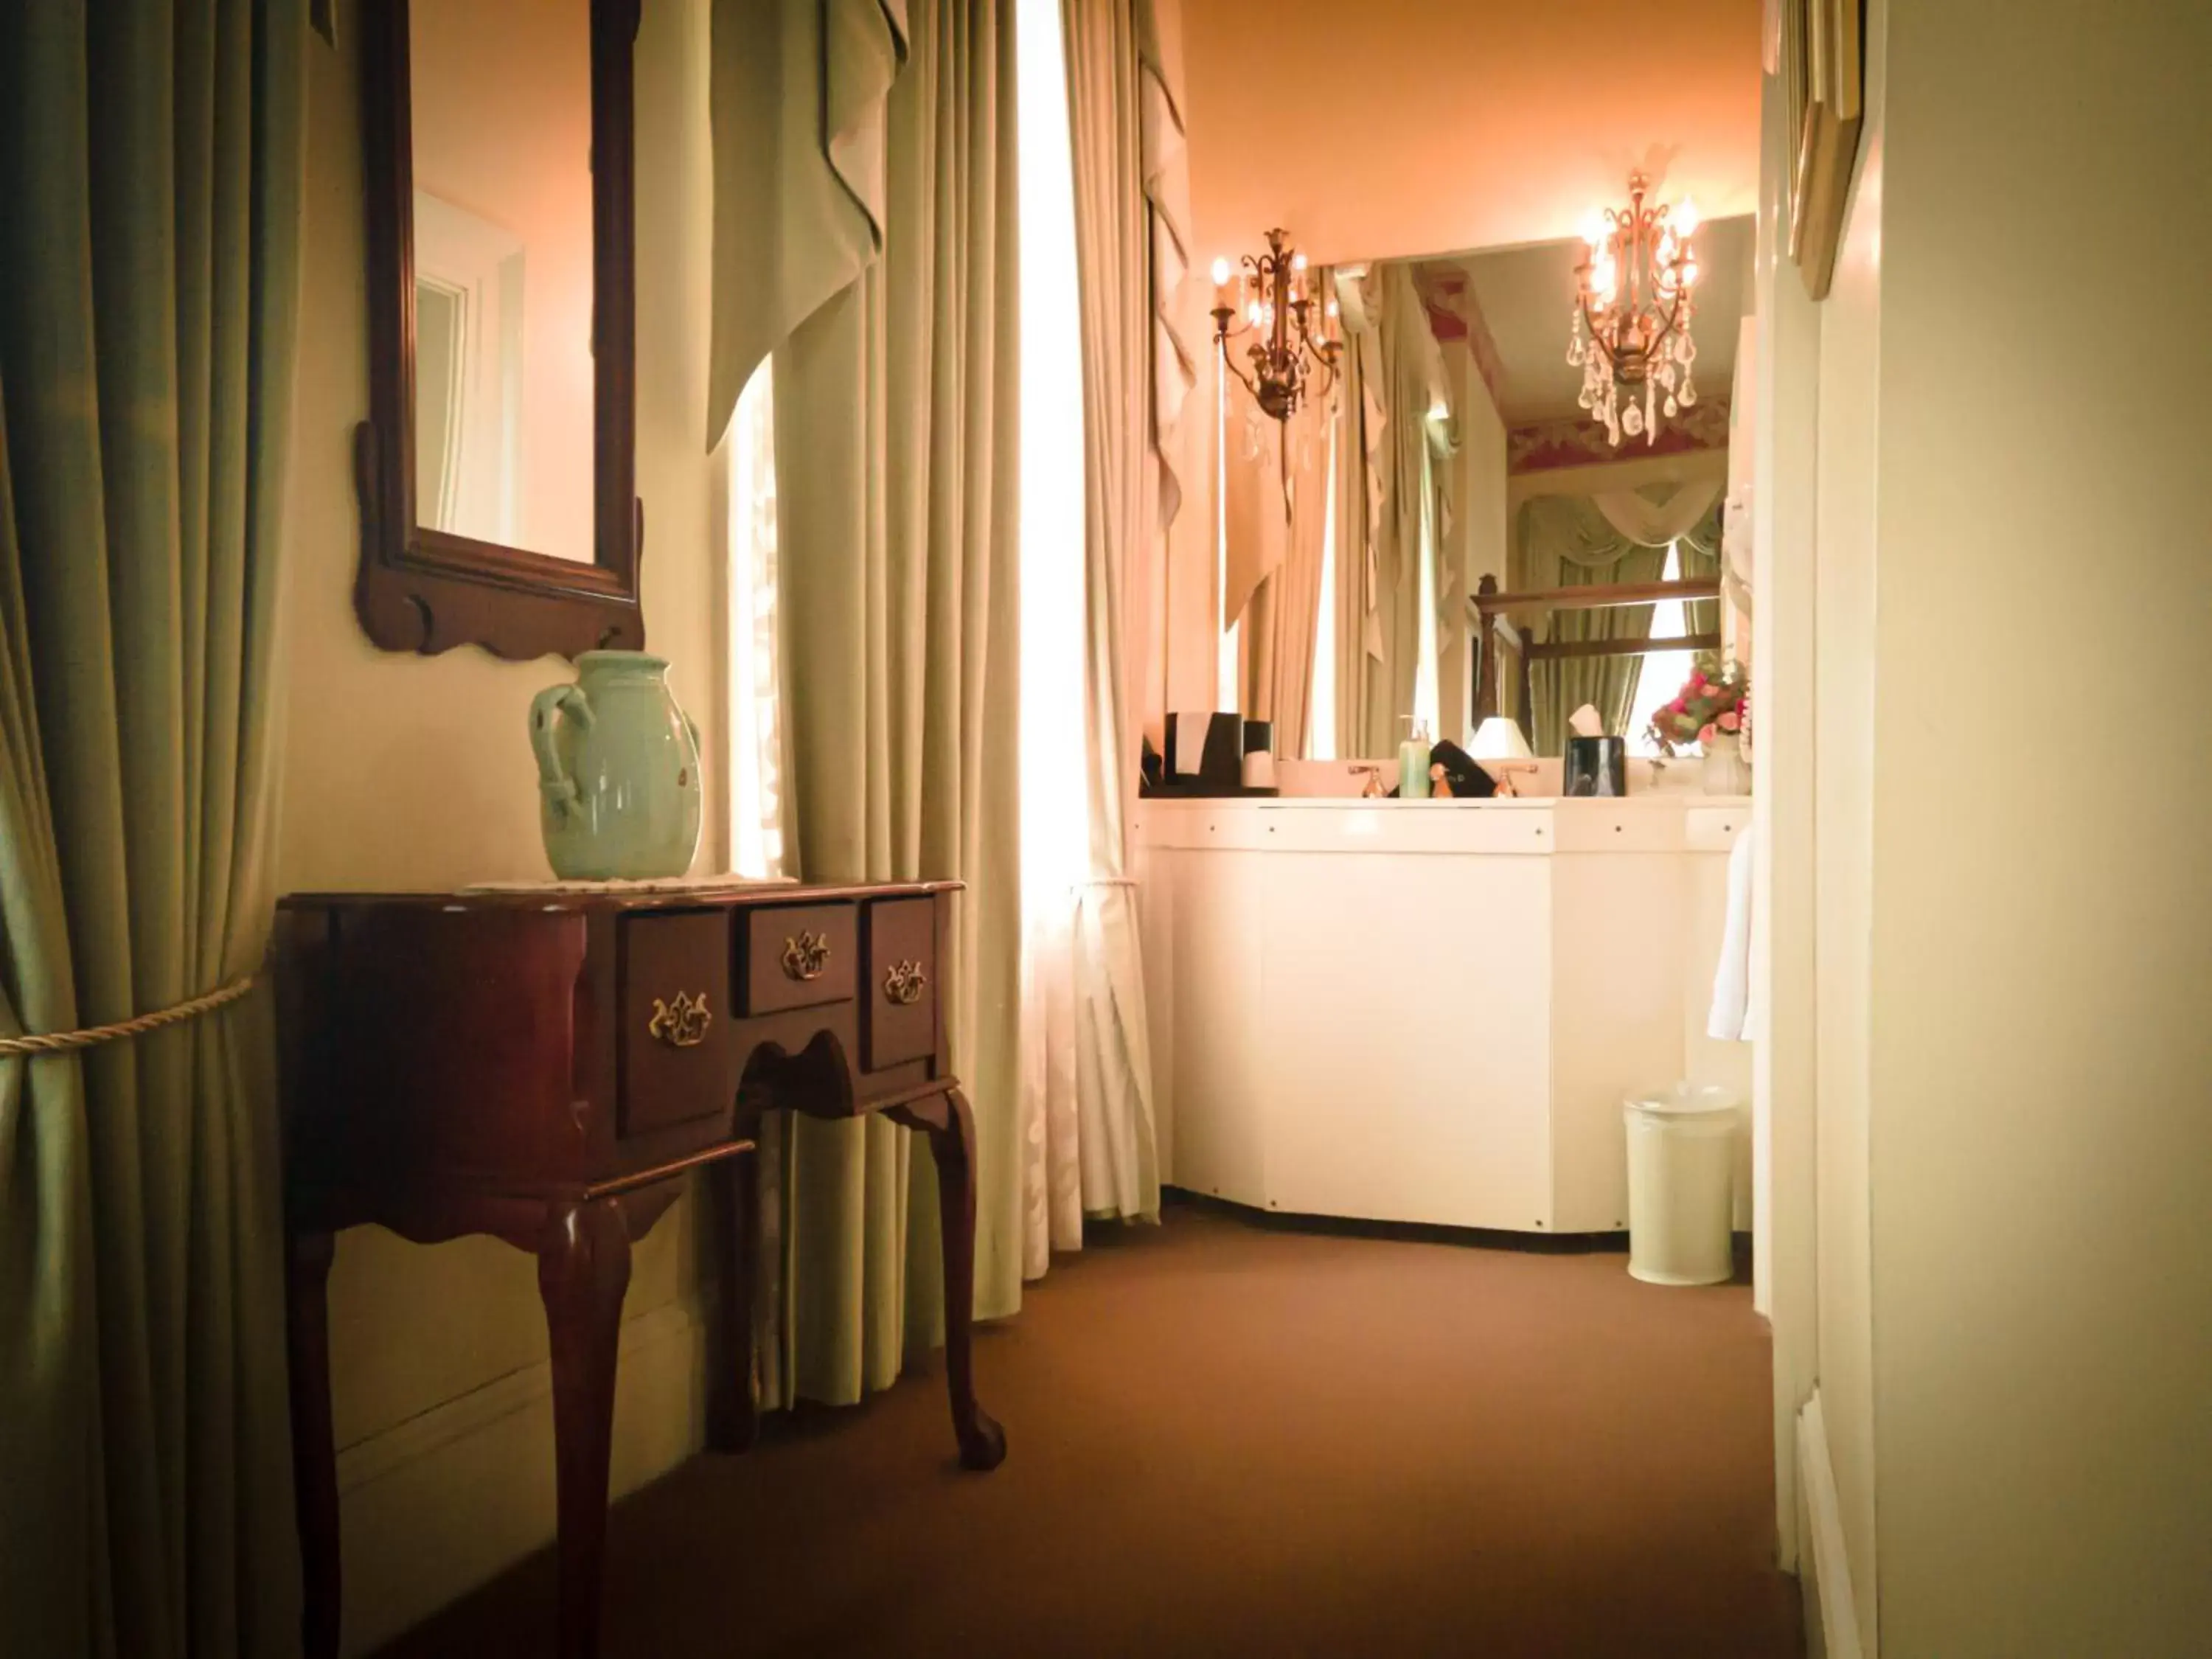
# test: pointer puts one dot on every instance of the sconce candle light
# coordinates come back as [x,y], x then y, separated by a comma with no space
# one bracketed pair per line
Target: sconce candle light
[1274,301]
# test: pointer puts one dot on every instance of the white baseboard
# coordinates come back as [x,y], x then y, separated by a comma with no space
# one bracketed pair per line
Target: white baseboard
[1826,1558]
[434,1506]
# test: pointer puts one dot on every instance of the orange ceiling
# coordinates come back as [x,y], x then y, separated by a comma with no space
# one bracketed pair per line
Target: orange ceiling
[1380,128]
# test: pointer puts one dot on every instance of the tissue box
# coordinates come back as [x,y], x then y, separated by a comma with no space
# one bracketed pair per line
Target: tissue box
[1597,766]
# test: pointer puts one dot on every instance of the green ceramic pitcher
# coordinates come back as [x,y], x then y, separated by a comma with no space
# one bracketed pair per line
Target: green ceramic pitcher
[618,771]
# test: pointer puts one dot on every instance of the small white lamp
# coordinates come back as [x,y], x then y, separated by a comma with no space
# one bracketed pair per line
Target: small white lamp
[1503,751]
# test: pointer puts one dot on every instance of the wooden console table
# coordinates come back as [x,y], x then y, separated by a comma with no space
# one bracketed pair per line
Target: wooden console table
[545,1068]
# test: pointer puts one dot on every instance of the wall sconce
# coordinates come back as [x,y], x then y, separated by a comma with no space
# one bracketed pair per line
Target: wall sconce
[1272,302]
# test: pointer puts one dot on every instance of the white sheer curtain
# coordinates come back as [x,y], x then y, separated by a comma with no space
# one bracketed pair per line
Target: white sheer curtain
[1055,797]
[1100,191]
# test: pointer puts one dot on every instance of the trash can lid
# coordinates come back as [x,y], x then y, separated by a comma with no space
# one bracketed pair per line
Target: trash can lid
[1685,1100]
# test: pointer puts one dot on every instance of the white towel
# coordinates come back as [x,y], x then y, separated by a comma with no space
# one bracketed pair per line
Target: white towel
[1733,1014]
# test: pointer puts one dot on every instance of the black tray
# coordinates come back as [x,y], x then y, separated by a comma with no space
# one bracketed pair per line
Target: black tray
[1196,790]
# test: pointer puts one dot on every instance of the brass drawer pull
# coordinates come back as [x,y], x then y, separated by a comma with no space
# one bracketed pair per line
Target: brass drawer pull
[682,1023]
[807,957]
[903,983]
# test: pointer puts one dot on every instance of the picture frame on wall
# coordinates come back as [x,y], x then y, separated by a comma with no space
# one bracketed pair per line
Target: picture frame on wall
[1823,66]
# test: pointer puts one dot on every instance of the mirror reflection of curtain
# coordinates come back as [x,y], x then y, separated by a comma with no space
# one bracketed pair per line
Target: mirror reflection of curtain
[1363,707]
[1388,471]
[1606,683]
[1288,483]
[1443,699]
[1408,353]
[1701,561]
[1618,536]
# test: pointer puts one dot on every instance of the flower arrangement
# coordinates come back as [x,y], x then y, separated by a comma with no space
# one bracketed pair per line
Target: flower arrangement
[1716,699]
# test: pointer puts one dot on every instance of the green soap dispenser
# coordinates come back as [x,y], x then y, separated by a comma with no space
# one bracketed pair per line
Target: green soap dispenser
[1414,761]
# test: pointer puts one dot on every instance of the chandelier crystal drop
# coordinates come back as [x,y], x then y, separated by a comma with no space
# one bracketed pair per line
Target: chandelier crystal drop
[1294,339]
[1630,330]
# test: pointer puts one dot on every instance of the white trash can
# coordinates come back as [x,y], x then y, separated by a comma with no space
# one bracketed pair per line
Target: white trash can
[1681,1180]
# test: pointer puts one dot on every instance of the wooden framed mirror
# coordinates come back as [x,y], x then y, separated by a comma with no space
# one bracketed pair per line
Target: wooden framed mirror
[496,469]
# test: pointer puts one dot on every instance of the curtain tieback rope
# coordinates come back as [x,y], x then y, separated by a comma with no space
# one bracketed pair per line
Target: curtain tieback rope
[57,1042]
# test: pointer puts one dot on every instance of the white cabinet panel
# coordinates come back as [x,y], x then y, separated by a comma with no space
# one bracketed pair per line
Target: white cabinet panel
[1220,908]
[1426,1012]
[1400,992]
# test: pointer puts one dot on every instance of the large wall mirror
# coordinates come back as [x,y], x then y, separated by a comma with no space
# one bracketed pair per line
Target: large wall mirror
[1429,515]
[496,469]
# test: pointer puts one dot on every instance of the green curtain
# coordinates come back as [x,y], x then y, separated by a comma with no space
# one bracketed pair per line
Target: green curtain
[1569,541]
[1699,549]
[798,91]
[1606,683]
[150,161]
[896,476]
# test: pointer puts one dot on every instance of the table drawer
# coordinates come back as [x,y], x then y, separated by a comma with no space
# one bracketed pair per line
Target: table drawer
[675,1033]
[799,957]
[899,998]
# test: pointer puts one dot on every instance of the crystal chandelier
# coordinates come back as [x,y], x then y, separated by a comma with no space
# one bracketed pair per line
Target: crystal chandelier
[1631,323]
[1274,298]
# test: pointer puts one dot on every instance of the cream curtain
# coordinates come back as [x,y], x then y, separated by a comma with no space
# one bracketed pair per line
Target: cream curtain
[896,450]
[151,177]
[799,91]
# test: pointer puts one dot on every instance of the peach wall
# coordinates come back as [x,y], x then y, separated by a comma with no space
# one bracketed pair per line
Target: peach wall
[1400,127]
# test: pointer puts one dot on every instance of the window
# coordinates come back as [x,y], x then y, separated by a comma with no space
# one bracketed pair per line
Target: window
[1663,670]
[1055,778]
[756,739]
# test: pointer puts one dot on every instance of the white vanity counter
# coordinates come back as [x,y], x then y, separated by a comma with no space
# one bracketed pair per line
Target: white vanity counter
[1427,1011]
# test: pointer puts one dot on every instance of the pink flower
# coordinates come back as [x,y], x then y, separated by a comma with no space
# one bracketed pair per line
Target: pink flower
[1729,721]
[1677,705]
[1697,677]
[1706,734]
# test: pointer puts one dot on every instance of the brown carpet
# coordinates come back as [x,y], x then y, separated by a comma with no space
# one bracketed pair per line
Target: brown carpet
[1227,1436]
